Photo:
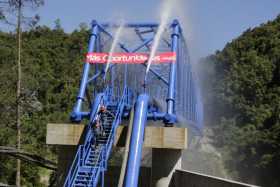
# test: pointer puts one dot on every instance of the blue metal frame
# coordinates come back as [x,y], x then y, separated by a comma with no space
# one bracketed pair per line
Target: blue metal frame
[170,116]
[77,115]
[136,25]
[90,162]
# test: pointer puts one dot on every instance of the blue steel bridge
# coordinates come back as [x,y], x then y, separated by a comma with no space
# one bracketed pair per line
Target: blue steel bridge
[168,93]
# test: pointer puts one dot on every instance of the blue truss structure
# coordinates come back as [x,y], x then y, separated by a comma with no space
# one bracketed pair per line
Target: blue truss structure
[167,93]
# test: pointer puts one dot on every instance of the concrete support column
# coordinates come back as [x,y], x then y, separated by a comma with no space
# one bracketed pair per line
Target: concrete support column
[164,163]
[66,154]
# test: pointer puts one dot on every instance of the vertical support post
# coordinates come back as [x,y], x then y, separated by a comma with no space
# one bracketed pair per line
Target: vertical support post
[136,142]
[112,79]
[76,114]
[125,76]
[98,49]
[170,117]
[103,178]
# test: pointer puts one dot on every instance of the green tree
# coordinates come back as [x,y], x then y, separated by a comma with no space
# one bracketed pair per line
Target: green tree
[17,6]
[51,65]
[245,108]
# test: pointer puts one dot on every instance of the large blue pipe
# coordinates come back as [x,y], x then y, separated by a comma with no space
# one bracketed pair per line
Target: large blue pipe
[76,115]
[172,75]
[136,141]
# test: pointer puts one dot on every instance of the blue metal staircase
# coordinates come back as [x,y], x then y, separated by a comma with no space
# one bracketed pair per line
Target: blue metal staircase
[92,156]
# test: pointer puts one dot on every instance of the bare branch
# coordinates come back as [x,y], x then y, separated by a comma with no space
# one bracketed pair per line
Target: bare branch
[28,157]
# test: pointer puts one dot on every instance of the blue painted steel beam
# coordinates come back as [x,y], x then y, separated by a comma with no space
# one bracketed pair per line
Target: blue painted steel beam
[131,25]
[157,75]
[94,77]
[170,117]
[145,43]
[122,46]
[75,116]
[156,116]
[136,141]
[139,34]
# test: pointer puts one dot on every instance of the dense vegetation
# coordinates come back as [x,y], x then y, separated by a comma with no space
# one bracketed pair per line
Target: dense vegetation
[51,71]
[242,87]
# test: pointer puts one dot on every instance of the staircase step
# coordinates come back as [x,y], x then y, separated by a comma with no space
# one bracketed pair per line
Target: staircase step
[92,157]
[86,171]
[83,174]
[94,154]
[105,137]
[83,181]
[91,161]
[102,142]
[91,164]
[83,177]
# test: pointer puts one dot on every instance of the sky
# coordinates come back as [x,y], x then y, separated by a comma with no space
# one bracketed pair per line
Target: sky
[208,24]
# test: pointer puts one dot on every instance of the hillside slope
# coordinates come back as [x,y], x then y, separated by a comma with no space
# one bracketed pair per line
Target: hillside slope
[242,95]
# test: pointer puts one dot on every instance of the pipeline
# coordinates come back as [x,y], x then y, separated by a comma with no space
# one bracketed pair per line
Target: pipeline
[136,142]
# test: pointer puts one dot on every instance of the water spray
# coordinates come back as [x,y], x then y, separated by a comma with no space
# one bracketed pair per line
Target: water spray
[113,47]
[164,18]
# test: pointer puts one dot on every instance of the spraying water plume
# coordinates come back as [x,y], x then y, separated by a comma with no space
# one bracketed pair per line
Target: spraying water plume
[166,10]
[114,44]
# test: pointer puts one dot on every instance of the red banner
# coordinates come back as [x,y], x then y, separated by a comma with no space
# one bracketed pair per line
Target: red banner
[130,58]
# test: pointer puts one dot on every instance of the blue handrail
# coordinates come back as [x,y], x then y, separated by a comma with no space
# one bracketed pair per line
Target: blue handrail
[74,168]
[106,150]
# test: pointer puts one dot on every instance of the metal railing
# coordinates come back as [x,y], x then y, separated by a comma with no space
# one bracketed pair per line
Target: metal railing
[74,168]
[84,150]
[106,150]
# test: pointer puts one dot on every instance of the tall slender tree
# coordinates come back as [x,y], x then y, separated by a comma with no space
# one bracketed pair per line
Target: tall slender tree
[7,9]
[18,116]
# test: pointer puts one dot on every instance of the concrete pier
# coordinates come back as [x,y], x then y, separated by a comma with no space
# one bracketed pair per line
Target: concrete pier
[164,163]
[160,157]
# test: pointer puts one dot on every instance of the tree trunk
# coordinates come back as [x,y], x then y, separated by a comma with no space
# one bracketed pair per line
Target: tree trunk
[18,91]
